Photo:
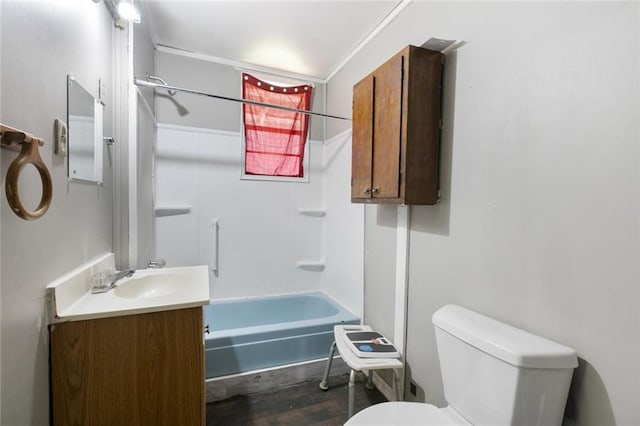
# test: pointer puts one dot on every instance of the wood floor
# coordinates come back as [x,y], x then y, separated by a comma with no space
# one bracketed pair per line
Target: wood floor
[302,404]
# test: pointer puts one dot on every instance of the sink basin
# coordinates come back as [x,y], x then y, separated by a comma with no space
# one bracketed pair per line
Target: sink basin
[150,285]
[148,290]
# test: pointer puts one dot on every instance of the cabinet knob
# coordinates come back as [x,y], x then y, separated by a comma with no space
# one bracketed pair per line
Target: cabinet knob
[366,190]
[375,190]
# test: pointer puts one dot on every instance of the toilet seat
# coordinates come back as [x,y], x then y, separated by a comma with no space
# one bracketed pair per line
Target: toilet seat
[403,413]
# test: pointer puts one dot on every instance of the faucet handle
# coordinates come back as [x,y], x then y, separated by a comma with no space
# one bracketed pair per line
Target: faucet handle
[157,264]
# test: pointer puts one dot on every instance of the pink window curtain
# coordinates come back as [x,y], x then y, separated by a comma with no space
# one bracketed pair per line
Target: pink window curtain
[274,139]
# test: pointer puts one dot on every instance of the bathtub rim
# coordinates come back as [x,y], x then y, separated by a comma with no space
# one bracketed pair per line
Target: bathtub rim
[343,315]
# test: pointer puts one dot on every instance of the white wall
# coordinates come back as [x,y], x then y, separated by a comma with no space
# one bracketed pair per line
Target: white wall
[380,249]
[343,277]
[42,42]
[538,223]
[261,234]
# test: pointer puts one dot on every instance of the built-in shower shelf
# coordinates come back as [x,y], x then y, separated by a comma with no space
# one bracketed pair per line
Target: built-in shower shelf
[313,212]
[171,210]
[311,265]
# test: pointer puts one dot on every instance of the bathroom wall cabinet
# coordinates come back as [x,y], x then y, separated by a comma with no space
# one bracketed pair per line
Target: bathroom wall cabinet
[145,369]
[396,130]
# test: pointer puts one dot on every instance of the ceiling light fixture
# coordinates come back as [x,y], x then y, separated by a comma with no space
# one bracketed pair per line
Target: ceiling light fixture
[128,11]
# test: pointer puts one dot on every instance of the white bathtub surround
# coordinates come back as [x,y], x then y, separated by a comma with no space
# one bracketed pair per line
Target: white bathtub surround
[273,237]
[286,214]
[260,235]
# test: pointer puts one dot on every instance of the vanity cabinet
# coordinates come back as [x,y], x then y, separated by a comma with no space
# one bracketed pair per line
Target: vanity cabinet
[144,369]
[396,130]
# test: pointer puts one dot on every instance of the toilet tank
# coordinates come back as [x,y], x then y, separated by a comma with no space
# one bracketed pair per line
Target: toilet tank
[495,374]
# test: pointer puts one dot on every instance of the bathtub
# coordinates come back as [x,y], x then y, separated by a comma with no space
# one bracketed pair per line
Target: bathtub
[260,333]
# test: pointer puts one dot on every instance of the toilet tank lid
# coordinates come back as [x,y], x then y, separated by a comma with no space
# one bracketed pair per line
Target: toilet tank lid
[505,342]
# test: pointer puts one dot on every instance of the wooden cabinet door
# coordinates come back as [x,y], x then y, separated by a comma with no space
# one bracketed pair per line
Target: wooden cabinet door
[387,128]
[136,370]
[396,130]
[361,139]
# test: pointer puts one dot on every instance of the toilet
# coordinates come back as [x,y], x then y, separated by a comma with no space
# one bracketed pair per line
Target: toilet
[493,374]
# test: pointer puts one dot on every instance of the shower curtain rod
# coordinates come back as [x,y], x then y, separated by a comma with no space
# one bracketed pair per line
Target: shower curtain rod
[145,83]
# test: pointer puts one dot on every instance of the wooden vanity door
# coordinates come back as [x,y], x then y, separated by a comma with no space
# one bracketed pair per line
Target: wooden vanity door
[136,370]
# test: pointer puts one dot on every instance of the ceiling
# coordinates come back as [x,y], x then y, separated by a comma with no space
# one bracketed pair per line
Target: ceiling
[308,37]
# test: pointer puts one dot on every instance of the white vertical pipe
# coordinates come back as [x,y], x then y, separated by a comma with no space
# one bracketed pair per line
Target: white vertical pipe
[402,280]
[402,272]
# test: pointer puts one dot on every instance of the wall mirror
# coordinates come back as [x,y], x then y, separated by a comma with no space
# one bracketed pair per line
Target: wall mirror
[85,138]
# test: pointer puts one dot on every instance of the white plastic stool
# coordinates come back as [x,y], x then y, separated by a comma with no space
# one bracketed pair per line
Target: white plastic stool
[355,362]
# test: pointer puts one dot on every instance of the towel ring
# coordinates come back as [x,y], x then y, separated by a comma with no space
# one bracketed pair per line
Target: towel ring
[29,154]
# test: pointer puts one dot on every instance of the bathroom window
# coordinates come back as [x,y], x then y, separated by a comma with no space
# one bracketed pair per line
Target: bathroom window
[275,142]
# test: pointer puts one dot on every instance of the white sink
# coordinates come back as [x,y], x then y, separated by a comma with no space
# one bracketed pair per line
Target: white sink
[148,290]
[162,283]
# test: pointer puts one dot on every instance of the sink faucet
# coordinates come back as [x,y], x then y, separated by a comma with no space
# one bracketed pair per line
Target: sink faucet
[106,281]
